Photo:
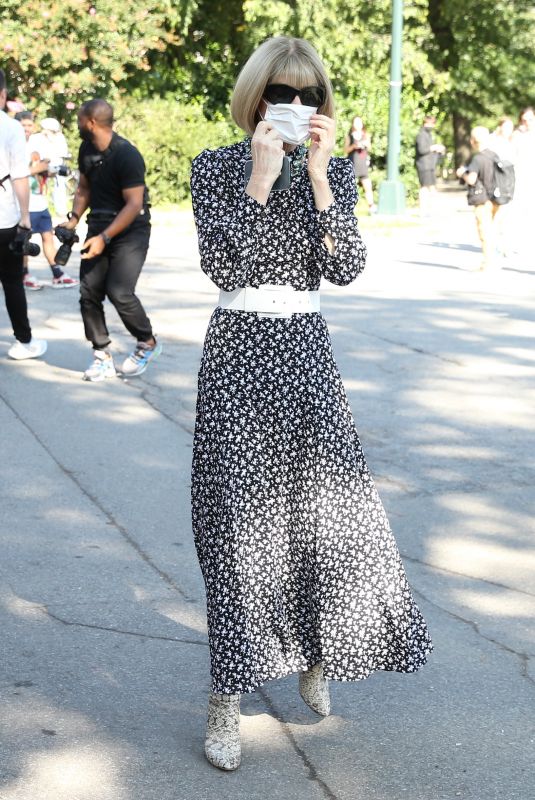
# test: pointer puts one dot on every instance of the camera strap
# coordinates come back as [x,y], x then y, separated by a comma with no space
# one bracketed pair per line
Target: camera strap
[97,159]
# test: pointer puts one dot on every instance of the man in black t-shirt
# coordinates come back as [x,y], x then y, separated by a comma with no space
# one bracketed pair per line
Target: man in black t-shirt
[112,186]
[479,175]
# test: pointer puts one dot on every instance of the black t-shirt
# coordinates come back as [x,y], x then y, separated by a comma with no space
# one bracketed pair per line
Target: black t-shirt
[108,172]
[483,164]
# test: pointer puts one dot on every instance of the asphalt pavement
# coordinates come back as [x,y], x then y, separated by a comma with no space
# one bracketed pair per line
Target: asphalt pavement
[104,667]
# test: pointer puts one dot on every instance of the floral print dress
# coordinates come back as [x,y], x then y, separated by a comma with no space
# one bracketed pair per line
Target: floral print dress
[299,562]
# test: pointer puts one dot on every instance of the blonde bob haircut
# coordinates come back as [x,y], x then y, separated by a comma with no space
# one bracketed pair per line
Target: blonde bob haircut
[278,60]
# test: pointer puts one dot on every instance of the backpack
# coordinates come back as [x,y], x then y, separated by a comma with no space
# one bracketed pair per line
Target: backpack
[477,194]
[503,188]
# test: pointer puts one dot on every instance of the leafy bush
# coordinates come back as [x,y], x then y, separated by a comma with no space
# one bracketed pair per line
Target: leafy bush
[169,135]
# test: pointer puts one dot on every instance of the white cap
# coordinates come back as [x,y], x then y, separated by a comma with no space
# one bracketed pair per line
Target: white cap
[50,124]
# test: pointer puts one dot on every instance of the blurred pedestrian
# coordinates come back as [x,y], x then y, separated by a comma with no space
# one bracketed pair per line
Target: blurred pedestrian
[112,185]
[479,175]
[357,147]
[427,155]
[15,230]
[524,202]
[57,150]
[40,218]
[501,141]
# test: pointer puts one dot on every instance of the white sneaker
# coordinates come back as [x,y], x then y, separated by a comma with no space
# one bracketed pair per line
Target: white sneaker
[64,282]
[32,283]
[102,367]
[33,349]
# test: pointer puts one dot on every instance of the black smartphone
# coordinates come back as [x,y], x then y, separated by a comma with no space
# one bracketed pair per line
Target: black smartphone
[283,181]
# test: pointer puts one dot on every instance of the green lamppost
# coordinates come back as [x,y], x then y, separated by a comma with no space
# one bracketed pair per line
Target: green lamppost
[392,191]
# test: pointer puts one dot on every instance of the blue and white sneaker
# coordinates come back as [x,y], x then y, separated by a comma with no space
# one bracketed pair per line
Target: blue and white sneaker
[102,367]
[138,361]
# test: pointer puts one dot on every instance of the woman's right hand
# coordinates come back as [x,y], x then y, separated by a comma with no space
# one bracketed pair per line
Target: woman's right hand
[267,152]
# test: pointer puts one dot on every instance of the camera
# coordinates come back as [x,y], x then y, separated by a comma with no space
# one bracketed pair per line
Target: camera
[67,238]
[59,169]
[21,244]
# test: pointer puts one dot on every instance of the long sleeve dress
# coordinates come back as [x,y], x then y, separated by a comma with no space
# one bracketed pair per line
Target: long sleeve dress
[298,559]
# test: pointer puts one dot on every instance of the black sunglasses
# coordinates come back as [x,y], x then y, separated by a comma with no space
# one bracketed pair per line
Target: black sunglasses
[282,93]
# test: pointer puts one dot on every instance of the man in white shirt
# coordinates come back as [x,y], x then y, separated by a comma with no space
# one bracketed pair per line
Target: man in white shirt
[15,230]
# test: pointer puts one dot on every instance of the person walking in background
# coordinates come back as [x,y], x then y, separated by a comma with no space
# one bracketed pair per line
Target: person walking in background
[479,175]
[112,185]
[301,568]
[524,201]
[501,141]
[40,218]
[427,153]
[357,148]
[57,151]
[15,230]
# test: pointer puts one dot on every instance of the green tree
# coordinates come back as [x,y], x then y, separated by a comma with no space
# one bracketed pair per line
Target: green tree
[487,51]
[57,54]
[467,61]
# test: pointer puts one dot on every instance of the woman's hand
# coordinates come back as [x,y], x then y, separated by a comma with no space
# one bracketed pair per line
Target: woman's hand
[322,134]
[267,152]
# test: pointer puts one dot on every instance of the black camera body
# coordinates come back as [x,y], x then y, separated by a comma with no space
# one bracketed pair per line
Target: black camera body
[59,169]
[21,244]
[67,238]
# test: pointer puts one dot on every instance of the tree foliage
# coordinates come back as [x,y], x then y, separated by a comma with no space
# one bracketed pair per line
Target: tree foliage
[464,60]
[62,52]
[486,49]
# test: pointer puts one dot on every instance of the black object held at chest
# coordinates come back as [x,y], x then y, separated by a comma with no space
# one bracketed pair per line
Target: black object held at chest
[282,183]
[291,167]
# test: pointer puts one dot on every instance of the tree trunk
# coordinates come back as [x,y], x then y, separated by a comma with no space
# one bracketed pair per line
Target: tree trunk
[461,138]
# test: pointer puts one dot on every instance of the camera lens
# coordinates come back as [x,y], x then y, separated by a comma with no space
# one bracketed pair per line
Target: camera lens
[32,249]
[63,255]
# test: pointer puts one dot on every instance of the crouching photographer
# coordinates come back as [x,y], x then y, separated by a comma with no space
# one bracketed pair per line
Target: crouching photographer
[112,186]
[15,231]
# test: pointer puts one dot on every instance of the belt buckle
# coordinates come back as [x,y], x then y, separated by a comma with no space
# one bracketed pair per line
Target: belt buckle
[276,289]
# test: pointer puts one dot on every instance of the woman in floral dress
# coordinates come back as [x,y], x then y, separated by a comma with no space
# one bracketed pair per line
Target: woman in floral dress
[301,569]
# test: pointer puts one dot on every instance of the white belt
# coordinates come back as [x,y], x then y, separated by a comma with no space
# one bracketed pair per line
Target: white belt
[271,300]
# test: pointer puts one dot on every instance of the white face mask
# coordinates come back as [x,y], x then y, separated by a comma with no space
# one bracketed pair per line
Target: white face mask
[290,120]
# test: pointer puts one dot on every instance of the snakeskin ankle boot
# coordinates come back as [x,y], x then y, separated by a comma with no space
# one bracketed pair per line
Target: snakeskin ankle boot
[222,745]
[314,690]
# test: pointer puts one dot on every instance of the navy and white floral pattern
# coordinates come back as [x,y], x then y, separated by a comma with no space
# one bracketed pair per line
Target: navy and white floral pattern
[298,558]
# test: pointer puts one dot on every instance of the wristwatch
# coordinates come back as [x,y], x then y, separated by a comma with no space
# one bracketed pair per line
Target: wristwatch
[107,239]
[72,214]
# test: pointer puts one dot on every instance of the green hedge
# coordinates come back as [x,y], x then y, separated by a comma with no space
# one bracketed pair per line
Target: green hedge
[169,136]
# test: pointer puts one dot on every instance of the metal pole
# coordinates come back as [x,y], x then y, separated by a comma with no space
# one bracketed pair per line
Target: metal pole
[392,191]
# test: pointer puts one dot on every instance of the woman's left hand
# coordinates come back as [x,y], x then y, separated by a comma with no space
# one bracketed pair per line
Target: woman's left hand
[322,134]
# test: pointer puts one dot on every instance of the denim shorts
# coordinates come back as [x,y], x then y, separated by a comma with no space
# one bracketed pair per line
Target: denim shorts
[41,221]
